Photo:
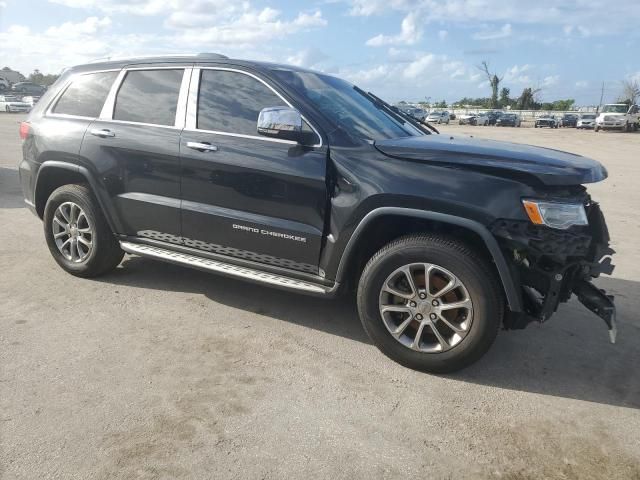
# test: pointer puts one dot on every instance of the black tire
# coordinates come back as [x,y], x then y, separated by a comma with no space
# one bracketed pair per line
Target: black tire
[105,254]
[473,270]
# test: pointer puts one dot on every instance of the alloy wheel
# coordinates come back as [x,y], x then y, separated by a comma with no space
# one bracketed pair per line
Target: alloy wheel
[72,232]
[426,307]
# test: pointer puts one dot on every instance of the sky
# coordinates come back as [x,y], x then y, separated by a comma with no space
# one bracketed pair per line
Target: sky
[413,50]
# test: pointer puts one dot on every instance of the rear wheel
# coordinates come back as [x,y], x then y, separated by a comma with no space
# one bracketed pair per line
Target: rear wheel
[77,233]
[430,303]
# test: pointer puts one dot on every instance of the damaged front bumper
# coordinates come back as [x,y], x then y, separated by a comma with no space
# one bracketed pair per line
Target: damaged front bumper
[550,265]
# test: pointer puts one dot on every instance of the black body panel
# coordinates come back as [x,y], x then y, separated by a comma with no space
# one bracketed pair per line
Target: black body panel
[550,167]
[255,199]
[140,167]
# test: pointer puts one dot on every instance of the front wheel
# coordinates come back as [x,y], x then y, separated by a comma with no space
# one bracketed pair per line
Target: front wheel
[77,233]
[430,303]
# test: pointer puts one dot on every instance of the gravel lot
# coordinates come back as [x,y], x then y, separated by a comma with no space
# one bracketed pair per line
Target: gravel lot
[156,371]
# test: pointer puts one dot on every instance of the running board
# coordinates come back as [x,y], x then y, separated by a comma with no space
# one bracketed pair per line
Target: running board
[216,266]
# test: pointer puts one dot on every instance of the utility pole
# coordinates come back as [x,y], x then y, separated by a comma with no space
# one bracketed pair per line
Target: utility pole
[601,98]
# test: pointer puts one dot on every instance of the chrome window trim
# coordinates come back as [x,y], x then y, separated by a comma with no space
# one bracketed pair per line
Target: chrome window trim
[53,102]
[192,108]
[109,105]
[107,109]
[242,135]
[183,96]
[128,122]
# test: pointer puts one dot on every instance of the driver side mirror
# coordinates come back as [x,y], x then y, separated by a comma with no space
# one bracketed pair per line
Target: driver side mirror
[280,122]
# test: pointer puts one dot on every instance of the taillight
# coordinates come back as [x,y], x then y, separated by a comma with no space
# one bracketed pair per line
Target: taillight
[25,128]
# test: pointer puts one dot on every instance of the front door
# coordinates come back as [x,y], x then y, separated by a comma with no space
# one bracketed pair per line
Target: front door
[138,149]
[244,195]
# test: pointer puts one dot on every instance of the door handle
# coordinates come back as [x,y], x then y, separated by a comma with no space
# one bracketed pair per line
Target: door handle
[203,147]
[102,133]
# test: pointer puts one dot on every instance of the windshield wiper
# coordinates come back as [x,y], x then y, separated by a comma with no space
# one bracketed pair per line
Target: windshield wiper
[396,113]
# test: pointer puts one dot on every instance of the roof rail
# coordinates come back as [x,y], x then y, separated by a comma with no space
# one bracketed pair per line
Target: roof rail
[212,55]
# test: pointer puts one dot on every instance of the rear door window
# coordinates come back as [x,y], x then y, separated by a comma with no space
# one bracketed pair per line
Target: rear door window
[86,95]
[149,96]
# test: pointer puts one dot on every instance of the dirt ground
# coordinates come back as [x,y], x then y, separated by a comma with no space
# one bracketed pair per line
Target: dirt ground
[156,371]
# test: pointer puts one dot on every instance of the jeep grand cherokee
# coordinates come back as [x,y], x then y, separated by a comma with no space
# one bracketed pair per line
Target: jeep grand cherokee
[302,181]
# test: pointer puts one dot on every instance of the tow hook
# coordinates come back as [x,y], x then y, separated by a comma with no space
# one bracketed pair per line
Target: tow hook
[599,303]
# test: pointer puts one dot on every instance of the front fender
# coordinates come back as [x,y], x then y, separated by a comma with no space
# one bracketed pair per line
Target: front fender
[512,293]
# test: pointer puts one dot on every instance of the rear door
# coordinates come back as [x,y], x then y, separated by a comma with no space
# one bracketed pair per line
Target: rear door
[245,195]
[136,144]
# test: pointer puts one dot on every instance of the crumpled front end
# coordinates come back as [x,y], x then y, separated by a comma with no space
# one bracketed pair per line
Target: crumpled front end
[550,265]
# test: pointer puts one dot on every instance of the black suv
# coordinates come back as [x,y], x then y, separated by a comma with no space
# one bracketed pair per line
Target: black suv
[569,120]
[302,181]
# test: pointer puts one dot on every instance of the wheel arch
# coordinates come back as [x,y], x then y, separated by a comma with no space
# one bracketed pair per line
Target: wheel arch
[53,174]
[394,222]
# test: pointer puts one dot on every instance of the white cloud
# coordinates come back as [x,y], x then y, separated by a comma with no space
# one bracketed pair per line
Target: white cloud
[490,34]
[236,29]
[373,7]
[517,74]
[90,26]
[550,80]
[410,33]
[576,14]
[249,28]
[308,58]
[582,84]
[455,69]
[420,67]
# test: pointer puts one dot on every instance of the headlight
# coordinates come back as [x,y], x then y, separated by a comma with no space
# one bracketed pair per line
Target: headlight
[555,215]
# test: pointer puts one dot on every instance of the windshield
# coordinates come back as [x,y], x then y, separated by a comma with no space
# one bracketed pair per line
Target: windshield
[615,109]
[588,117]
[351,110]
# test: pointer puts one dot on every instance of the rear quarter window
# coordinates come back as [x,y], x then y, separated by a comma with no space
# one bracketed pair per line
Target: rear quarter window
[86,95]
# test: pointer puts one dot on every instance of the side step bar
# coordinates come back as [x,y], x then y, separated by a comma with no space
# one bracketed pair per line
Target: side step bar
[228,269]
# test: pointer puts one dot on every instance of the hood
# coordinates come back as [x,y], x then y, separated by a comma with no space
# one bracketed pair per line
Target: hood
[611,114]
[551,167]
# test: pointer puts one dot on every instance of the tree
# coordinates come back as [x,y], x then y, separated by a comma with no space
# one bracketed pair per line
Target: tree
[630,91]
[494,81]
[504,97]
[442,104]
[42,79]
[527,101]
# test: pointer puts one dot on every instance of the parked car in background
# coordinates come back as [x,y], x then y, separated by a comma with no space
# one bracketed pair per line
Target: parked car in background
[12,104]
[4,84]
[619,116]
[452,116]
[482,120]
[546,121]
[467,119]
[30,99]
[586,121]
[493,116]
[417,113]
[28,87]
[438,117]
[508,120]
[569,120]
